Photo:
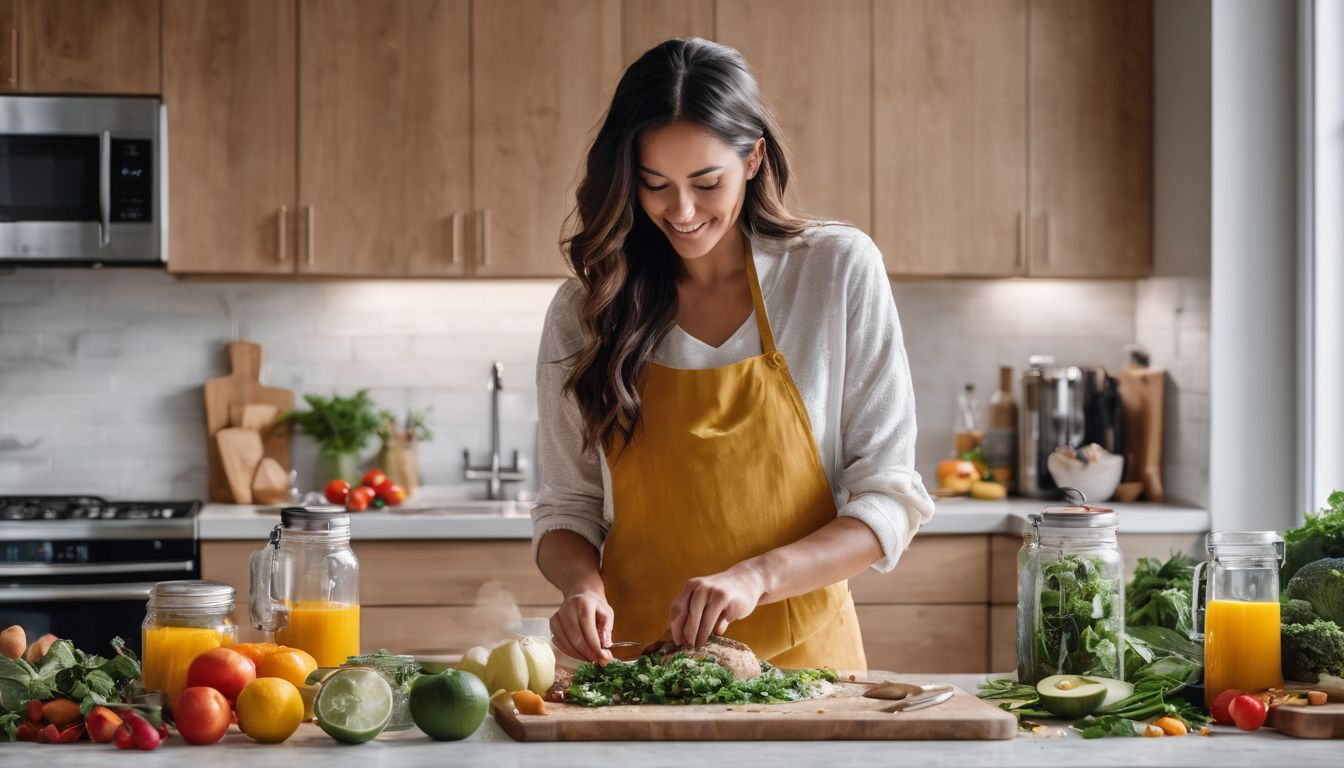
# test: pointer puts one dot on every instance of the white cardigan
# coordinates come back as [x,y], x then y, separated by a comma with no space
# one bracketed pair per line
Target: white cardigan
[834,318]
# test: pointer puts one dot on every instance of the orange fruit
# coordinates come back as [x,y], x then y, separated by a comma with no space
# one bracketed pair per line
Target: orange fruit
[289,664]
[269,710]
[255,651]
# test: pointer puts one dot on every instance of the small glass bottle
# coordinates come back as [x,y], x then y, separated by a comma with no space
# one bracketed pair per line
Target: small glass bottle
[1000,443]
[966,434]
[183,619]
[1071,598]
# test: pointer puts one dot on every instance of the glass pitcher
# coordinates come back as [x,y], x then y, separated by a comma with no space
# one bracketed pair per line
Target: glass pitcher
[1240,611]
[305,584]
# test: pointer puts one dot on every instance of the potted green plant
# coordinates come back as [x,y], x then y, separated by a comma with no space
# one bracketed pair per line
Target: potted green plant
[399,457]
[341,426]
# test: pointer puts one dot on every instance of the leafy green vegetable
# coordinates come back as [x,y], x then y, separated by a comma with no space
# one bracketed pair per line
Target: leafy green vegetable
[9,722]
[338,424]
[69,672]
[1159,594]
[1077,625]
[1162,652]
[1153,697]
[1308,650]
[683,679]
[1321,584]
[1296,612]
[1322,535]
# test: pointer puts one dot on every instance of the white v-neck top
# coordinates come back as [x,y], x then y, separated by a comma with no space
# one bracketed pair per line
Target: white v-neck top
[834,318]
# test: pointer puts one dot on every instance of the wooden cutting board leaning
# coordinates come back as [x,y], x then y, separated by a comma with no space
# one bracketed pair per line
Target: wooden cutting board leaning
[239,400]
[844,715]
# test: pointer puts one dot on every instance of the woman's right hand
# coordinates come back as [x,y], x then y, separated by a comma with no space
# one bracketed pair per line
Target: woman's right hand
[581,627]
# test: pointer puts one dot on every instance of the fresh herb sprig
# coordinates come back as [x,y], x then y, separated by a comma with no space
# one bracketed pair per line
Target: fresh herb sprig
[684,679]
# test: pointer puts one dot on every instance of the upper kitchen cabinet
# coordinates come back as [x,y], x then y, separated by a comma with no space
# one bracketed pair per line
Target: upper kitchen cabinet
[950,136]
[385,135]
[1090,138]
[646,23]
[229,87]
[814,63]
[85,46]
[543,73]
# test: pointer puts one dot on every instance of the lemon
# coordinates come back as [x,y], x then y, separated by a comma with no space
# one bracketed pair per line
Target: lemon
[354,705]
[269,710]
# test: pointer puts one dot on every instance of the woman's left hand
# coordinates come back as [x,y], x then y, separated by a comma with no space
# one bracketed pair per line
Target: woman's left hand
[707,604]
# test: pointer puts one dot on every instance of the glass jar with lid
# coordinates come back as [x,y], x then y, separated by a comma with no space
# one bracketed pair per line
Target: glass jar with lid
[305,584]
[399,672]
[183,619]
[1239,608]
[1071,594]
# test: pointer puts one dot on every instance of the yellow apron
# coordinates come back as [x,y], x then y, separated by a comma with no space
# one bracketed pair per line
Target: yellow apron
[724,467]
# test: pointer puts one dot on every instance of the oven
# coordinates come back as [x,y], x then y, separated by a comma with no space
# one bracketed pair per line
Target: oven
[81,567]
[82,181]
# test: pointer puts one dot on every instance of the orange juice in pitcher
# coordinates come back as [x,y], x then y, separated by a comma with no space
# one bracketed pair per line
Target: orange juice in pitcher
[1241,613]
[305,584]
[327,631]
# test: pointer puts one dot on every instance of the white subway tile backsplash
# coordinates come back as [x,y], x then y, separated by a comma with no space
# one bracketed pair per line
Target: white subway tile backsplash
[106,367]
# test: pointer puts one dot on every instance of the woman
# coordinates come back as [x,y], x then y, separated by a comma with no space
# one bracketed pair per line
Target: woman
[727,420]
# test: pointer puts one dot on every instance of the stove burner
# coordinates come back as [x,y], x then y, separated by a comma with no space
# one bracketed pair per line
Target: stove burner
[92,508]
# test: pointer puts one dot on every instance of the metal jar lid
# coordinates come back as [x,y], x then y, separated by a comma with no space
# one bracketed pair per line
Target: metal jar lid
[1077,514]
[333,519]
[196,594]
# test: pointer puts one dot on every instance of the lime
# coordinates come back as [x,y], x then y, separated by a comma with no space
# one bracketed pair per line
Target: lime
[450,705]
[353,705]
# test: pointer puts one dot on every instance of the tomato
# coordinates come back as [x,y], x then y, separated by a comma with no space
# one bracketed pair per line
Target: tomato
[1218,709]
[374,478]
[337,491]
[390,493]
[1248,712]
[202,715]
[223,669]
[360,499]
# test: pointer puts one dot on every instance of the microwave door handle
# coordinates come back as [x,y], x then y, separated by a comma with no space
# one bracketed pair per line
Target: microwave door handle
[75,593]
[105,190]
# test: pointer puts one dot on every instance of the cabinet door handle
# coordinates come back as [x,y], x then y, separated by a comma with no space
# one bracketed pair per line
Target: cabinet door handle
[1049,236]
[455,234]
[14,44]
[105,189]
[280,233]
[308,241]
[485,237]
[1020,247]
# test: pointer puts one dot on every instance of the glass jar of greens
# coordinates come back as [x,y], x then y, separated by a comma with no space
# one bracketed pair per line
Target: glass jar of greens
[1071,592]
[399,672]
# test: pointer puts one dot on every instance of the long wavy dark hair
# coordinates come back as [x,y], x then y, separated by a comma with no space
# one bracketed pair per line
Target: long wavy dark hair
[628,268]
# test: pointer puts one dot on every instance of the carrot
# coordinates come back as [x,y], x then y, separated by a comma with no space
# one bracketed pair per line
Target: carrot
[529,703]
[61,712]
[1316,698]
[1170,726]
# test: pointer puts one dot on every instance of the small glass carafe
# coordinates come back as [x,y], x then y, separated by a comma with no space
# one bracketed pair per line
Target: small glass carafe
[1238,611]
[305,584]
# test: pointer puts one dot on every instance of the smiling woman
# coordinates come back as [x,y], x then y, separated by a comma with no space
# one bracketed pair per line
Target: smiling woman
[727,419]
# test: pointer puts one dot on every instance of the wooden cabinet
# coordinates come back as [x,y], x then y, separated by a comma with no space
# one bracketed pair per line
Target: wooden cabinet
[950,136]
[384,136]
[543,74]
[1091,138]
[88,46]
[9,45]
[646,23]
[821,93]
[229,83]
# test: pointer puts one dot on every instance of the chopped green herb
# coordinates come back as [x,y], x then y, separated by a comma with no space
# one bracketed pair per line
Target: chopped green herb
[684,679]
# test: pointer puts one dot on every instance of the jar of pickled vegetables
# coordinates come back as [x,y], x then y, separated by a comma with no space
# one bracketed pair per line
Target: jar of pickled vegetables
[182,619]
[1071,595]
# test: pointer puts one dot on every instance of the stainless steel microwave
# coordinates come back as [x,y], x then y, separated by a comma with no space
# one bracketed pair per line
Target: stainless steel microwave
[82,181]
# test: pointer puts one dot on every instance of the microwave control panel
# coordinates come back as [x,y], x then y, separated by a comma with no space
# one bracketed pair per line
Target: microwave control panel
[132,182]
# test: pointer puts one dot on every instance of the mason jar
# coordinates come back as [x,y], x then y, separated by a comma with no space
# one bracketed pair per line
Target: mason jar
[1071,595]
[182,620]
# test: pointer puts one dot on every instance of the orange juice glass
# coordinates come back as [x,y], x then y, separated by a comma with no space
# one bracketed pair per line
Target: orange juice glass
[327,631]
[183,619]
[1241,611]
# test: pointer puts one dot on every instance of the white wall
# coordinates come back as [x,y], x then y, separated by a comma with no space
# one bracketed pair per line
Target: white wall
[1253,407]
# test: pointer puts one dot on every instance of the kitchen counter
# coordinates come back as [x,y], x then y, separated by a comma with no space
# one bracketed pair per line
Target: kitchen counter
[490,746]
[445,517]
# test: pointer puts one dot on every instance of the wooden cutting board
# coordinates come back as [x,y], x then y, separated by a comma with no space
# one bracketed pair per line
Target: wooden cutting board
[845,715]
[1142,391]
[1325,721]
[242,387]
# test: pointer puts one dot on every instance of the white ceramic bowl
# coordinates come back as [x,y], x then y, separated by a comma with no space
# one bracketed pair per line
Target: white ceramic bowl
[1097,480]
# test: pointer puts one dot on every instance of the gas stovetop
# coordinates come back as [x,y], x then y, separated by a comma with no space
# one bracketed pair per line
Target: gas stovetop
[46,508]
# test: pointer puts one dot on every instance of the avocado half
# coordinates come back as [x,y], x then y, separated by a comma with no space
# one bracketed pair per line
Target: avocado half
[1071,697]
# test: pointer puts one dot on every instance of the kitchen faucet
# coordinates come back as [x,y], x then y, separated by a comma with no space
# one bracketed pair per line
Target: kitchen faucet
[494,474]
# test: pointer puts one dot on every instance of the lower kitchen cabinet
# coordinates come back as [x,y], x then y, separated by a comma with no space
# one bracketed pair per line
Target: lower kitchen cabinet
[932,613]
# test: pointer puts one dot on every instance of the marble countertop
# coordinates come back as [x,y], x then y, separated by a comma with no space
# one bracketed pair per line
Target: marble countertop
[436,514]
[490,746]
